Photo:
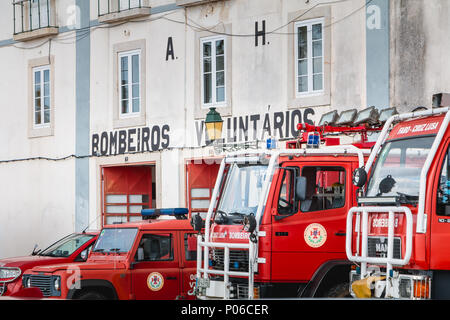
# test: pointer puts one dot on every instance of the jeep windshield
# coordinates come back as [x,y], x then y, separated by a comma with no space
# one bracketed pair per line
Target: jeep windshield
[66,246]
[115,240]
[241,192]
[398,168]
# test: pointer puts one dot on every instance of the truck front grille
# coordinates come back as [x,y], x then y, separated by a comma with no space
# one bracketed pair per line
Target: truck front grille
[238,260]
[44,283]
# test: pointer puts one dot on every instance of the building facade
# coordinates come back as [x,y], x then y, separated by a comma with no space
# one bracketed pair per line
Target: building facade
[105,101]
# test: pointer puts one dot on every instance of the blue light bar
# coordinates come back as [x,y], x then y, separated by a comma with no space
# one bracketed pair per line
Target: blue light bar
[164,212]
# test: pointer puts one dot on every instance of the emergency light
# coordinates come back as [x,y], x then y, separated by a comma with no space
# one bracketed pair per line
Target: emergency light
[369,115]
[313,140]
[328,118]
[179,213]
[346,117]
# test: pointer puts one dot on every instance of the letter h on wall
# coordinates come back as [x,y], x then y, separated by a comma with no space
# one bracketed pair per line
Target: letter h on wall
[260,33]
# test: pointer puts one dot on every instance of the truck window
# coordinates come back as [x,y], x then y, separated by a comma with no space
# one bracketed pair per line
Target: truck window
[325,188]
[190,246]
[155,247]
[443,192]
[286,198]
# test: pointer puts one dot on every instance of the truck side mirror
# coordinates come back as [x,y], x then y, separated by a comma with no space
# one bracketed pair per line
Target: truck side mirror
[84,254]
[300,188]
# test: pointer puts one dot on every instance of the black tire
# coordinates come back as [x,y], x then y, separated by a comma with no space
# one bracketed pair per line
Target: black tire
[92,295]
[339,291]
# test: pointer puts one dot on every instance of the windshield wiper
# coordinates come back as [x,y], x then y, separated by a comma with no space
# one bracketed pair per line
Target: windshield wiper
[98,250]
[116,250]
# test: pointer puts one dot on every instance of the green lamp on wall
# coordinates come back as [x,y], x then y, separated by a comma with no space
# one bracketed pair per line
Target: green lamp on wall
[213,123]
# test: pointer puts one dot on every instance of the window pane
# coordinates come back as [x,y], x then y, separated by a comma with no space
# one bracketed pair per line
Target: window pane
[124,70]
[190,246]
[124,106]
[207,88]
[136,106]
[37,77]
[220,78]
[317,31]
[46,103]
[125,92]
[220,63]
[317,48]
[302,42]
[46,89]
[113,219]
[220,94]
[116,209]
[37,104]
[303,67]
[200,192]
[317,82]
[302,84]
[135,209]
[135,70]
[207,65]
[155,247]
[207,49]
[317,65]
[219,47]
[46,116]
[135,91]
[200,204]
[37,91]
[116,198]
[46,75]
[37,117]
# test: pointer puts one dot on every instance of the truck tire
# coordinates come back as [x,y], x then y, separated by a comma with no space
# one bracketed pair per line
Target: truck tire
[91,295]
[340,290]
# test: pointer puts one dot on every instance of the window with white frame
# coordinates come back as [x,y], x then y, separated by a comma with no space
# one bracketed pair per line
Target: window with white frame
[213,64]
[309,57]
[129,83]
[41,96]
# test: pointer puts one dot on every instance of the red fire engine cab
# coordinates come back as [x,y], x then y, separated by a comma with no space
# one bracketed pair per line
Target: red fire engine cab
[145,260]
[277,228]
[400,232]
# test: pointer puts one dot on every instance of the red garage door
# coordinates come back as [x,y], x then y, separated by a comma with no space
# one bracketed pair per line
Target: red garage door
[126,191]
[200,181]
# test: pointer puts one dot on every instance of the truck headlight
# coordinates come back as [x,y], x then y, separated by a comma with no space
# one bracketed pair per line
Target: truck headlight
[9,274]
[56,284]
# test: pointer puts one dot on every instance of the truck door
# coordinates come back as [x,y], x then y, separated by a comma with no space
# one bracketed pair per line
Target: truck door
[188,264]
[156,274]
[308,233]
[440,223]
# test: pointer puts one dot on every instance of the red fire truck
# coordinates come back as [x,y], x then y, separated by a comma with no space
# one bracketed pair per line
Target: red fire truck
[277,228]
[145,260]
[400,232]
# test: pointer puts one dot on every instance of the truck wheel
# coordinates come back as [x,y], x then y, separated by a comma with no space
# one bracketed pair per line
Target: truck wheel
[339,291]
[91,296]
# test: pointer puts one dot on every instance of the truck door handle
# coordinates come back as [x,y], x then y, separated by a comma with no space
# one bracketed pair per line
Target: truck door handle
[171,278]
[341,233]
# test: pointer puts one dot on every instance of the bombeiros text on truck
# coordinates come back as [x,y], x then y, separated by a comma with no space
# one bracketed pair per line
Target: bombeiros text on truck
[400,232]
[277,226]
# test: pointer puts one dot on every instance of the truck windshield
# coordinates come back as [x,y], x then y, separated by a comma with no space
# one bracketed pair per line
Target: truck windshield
[242,190]
[398,168]
[117,240]
[66,246]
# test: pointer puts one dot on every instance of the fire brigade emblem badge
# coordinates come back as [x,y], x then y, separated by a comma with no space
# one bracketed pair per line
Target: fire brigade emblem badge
[155,281]
[315,235]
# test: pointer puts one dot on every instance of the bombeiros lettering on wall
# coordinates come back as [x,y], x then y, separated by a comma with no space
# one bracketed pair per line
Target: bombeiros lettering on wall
[130,140]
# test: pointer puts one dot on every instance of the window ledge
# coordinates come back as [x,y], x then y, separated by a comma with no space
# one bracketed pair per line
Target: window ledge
[34,34]
[188,3]
[124,15]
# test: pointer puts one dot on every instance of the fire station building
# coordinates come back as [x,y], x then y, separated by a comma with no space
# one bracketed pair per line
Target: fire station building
[105,101]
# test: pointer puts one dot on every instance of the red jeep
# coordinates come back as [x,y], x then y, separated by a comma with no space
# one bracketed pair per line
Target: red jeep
[72,248]
[143,260]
